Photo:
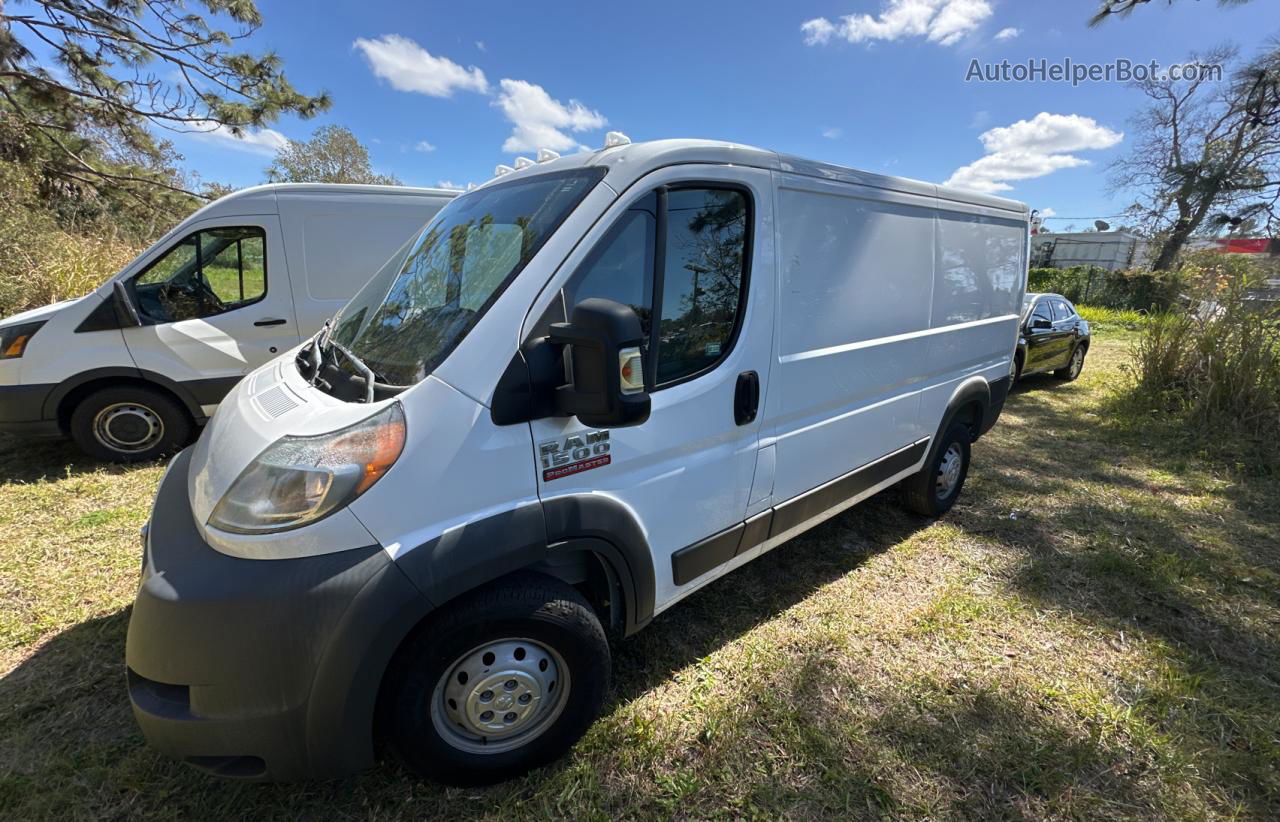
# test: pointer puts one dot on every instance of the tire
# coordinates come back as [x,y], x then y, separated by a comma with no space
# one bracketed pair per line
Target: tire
[451,672]
[1015,372]
[924,492]
[129,423]
[1074,365]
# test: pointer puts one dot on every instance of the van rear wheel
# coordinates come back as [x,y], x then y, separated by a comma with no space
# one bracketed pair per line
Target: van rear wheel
[505,681]
[129,424]
[933,490]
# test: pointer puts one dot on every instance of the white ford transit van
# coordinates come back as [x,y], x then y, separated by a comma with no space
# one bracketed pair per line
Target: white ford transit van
[594,385]
[129,370]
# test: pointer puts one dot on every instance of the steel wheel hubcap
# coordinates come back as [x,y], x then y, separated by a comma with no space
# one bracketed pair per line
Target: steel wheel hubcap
[128,427]
[1077,361]
[949,470]
[500,696]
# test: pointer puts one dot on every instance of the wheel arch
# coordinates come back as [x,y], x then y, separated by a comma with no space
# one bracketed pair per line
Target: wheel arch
[969,404]
[62,401]
[552,537]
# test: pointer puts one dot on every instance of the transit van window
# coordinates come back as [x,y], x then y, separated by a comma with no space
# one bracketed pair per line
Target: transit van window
[700,279]
[620,267]
[206,273]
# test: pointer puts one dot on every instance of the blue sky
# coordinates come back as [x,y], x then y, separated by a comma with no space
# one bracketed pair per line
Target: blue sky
[441,92]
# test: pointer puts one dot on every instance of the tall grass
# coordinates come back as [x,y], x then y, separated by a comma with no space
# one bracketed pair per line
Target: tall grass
[1215,360]
[1107,318]
[43,260]
[55,265]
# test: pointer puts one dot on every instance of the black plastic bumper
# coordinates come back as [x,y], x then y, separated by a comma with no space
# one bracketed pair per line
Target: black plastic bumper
[21,410]
[260,669]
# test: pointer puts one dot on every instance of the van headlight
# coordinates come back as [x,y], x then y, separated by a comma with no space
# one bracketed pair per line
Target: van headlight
[14,339]
[298,480]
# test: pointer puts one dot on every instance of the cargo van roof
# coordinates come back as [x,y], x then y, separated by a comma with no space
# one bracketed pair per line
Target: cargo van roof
[262,198]
[628,163]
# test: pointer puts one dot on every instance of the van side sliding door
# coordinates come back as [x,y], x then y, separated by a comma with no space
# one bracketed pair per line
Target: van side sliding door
[855,287]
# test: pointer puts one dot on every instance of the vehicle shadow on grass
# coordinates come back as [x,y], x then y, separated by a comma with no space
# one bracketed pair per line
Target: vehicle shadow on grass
[31,459]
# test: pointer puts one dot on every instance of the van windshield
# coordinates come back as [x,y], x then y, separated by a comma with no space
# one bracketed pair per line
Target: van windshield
[408,318]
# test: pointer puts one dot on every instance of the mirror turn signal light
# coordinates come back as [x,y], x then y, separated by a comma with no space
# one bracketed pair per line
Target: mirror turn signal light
[631,369]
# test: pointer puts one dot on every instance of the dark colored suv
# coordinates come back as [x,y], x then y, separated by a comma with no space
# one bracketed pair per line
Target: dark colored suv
[1053,337]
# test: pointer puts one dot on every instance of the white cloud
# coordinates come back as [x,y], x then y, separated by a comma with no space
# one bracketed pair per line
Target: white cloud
[1008,34]
[1032,148]
[944,22]
[481,46]
[541,121]
[264,141]
[450,185]
[1046,213]
[1051,133]
[423,146]
[833,133]
[407,66]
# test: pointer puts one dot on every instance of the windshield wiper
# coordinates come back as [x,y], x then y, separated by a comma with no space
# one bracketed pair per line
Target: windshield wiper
[369,376]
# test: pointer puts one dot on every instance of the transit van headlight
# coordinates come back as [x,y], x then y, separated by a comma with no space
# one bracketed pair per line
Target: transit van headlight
[14,339]
[298,480]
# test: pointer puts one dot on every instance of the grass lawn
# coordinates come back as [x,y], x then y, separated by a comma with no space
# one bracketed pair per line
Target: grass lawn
[1094,630]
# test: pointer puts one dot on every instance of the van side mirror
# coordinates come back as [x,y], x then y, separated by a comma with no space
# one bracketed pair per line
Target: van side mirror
[607,386]
[126,312]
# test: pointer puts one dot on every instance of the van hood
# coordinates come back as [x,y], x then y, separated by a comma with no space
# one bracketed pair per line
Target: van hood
[44,312]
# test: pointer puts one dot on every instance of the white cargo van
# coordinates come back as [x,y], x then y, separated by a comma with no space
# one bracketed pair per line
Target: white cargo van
[595,385]
[128,370]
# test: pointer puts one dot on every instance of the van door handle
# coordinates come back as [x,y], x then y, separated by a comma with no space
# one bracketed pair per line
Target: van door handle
[746,397]
[271,321]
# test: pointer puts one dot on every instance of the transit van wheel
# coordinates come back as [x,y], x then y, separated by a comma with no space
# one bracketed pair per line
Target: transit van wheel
[1073,367]
[505,680]
[129,423]
[934,490]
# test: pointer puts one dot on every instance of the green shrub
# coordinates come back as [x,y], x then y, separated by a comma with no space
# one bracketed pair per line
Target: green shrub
[1139,290]
[1215,360]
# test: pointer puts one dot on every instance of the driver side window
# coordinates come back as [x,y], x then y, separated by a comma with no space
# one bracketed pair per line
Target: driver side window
[206,273]
[1042,312]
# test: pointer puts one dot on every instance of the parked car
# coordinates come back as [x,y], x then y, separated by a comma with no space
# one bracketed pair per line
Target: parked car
[131,369]
[1052,337]
[596,384]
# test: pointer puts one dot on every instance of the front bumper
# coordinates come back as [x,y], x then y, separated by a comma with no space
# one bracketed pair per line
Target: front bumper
[260,669]
[22,410]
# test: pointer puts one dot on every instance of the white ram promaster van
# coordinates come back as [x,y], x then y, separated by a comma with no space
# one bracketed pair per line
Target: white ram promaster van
[129,370]
[593,386]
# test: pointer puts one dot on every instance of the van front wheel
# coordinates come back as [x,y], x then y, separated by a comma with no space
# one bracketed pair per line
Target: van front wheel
[935,488]
[507,680]
[129,424]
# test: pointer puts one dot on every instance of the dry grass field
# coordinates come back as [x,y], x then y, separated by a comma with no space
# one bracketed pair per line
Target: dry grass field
[1094,631]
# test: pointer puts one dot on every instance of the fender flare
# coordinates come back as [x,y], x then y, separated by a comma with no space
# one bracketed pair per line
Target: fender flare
[464,558]
[974,389]
[606,527]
